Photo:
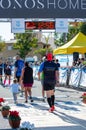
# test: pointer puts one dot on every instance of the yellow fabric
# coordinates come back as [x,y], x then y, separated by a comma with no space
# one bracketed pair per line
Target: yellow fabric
[77,44]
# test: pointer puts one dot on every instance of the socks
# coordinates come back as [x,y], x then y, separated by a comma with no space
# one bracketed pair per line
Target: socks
[52,99]
[49,101]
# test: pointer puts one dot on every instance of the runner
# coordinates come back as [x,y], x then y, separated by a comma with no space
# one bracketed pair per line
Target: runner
[49,68]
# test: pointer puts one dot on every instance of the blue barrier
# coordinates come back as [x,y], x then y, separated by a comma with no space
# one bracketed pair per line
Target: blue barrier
[63,76]
[83,78]
[75,76]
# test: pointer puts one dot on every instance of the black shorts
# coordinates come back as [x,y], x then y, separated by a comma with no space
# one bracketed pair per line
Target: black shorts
[49,86]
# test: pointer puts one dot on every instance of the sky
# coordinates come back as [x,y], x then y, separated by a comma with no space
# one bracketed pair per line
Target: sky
[5,31]
[6,34]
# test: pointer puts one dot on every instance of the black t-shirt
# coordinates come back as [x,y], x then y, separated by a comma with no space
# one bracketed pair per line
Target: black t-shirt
[28,75]
[49,72]
[8,69]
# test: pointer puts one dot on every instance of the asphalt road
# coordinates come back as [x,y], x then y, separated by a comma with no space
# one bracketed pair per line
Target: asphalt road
[68,104]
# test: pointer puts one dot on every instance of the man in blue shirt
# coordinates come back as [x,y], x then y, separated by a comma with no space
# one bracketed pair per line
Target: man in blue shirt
[19,64]
[50,69]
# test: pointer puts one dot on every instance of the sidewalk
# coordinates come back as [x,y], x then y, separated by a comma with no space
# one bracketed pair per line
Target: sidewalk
[70,112]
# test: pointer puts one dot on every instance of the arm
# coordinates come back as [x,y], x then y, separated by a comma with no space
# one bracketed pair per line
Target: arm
[56,75]
[38,75]
[22,75]
[40,70]
[15,69]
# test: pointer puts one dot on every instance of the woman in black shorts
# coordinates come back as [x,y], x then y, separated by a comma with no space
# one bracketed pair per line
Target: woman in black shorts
[27,79]
[7,71]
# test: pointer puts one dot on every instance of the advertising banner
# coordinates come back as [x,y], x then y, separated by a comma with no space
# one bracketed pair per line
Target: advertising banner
[18,26]
[62,25]
[42,8]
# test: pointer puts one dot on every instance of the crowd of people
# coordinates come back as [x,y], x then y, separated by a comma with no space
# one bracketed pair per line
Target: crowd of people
[48,73]
[79,62]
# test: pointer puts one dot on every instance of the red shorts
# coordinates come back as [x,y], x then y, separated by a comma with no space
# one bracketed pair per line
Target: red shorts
[28,85]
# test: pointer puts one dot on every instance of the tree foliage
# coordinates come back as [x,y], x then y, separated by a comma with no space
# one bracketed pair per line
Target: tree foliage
[25,43]
[43,51]
[65,37]
[83,28]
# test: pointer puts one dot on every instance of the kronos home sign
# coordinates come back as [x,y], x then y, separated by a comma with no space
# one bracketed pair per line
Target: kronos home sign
[42,8]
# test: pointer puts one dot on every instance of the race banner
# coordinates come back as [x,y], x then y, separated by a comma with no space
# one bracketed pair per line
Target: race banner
[42,8]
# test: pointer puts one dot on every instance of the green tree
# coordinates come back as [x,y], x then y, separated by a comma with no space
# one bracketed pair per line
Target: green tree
[83,28]
[25,43]
[44,51]
[61,39]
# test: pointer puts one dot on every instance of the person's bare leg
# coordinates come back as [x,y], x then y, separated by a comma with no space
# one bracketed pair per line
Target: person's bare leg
[30,93]
[5,79]
[26,94]
[9,78]
[43,94]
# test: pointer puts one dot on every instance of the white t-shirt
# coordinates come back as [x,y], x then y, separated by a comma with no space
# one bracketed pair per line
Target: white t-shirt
[15,88]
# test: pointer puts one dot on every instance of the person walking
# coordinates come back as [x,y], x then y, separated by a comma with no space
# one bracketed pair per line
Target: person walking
[49,68]
[19,65]
[8,72]
[58,65]
[27,80]
[15,89]
[1,72]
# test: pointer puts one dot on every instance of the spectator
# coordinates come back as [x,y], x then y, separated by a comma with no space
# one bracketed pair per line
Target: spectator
[58,65]
[1,72]
[8,72]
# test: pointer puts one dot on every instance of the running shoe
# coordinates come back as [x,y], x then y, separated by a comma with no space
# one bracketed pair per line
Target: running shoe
[26,101]
[43,99]
[31,100]
[52,109]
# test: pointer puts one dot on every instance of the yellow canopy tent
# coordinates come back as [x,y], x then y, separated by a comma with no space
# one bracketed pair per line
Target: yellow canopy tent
[77,44]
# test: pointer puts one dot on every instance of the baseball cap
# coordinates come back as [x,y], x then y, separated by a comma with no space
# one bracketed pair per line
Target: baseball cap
[49,57]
